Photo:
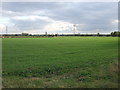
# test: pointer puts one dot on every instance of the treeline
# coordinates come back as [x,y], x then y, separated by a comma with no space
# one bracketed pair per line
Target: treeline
[114,34]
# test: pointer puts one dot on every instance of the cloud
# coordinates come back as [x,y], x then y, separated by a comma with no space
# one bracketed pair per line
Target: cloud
[2,26]
[115,21]
[58,27]
[91,17]
[32,18]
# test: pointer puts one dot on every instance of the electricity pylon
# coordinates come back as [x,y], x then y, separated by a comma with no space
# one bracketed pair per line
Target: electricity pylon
[74,28]
[6,30]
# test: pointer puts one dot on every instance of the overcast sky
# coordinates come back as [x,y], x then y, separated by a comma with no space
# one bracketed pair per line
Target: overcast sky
[59,17]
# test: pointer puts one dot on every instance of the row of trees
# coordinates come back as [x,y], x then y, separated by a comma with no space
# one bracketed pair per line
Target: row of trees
[115,33]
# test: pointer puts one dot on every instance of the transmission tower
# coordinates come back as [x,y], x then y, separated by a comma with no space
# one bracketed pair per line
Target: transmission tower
[6,30]
[74,28]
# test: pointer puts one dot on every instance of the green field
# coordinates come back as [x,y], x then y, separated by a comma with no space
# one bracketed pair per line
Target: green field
[84,62]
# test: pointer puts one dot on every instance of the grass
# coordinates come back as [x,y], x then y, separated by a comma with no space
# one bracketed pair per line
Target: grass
[61,62]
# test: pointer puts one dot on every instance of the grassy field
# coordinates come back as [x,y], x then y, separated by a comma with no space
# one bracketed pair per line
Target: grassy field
[63,62]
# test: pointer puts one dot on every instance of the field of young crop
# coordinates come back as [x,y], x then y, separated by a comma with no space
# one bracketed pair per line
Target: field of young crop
[63,62]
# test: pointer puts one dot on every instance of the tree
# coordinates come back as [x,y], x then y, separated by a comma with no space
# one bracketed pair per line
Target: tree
[25,34]
[98,34]
[115,33]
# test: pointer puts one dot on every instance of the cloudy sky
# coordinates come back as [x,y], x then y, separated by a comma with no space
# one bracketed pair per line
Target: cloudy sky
[59,17]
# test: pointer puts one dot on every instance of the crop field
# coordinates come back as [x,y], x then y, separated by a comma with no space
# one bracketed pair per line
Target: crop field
[60,62]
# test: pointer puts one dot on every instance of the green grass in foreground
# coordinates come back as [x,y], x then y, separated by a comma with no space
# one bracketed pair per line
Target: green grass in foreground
[60,62]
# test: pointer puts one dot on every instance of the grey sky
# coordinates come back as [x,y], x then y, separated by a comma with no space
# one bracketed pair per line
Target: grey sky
[59,17]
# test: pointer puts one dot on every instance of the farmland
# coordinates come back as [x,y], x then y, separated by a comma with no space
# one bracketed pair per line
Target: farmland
[60,62]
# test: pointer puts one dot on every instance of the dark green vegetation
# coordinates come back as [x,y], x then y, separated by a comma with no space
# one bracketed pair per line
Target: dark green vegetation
[60,62]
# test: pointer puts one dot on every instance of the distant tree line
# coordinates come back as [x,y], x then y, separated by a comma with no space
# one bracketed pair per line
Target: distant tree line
[114,34]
